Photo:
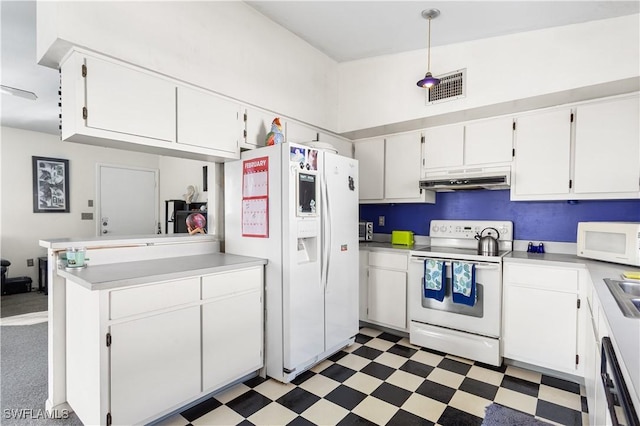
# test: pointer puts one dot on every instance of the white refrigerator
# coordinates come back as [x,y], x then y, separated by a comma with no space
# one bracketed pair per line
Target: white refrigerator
[297,206]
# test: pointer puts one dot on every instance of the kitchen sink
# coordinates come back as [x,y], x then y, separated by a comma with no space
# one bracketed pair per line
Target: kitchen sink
[630,288]
[627,296]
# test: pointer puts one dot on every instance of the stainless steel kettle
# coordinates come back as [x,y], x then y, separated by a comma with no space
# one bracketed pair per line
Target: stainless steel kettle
[488,244]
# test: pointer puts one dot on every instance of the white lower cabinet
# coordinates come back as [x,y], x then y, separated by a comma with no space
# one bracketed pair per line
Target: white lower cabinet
[137,353]
[231,327]
[364,283]
[387,289]
[157,357]
[542,315]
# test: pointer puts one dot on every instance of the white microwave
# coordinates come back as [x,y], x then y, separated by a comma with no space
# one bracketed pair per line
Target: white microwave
[617,242]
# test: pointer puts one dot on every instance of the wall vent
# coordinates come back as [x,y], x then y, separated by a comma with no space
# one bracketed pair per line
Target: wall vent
[452,86]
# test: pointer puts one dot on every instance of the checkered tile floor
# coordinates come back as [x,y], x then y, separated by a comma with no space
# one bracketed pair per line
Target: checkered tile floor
[384,380]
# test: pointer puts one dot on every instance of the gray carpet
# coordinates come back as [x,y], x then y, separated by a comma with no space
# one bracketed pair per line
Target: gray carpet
[23,303]
[497,415]
[23,367]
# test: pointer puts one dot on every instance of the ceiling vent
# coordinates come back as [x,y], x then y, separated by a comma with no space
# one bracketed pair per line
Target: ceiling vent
[452,86]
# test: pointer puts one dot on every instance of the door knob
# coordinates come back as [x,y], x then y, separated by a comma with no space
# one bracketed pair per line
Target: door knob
[104,231]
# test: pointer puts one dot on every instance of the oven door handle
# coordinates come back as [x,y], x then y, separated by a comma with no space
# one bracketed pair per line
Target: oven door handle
[482,266]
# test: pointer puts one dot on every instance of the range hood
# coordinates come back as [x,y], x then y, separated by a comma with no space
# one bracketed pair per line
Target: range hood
[496,178]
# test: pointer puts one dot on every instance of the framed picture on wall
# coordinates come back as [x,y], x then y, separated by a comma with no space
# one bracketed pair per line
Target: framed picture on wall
[50,185]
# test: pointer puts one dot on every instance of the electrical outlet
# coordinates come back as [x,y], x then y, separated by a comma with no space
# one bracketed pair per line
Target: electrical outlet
[380,220]
[29,262]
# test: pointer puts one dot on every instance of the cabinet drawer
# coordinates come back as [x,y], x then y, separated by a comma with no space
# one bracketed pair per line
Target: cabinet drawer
[388,260]
[231,282]
[546,278]
[132,301]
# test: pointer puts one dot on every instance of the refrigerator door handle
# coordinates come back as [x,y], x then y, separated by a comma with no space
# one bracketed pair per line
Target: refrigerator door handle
[327,227]
[326,236]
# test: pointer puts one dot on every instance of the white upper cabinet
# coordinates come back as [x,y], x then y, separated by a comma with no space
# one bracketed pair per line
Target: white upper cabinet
[488,142]
[389,169]
[126,100]
[542,155]
[467,147]
[208,121]
[607,153]
[299,133]
[257,124]
[402,166]
[344,146]
[589,152]
[370,156]
[443,146]
[106,102]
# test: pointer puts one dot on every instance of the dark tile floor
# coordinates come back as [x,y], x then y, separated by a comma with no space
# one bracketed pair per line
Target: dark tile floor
[384,380]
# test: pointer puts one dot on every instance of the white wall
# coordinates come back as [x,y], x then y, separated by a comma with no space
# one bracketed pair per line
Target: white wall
[21,229]
[382,90]
[224,46]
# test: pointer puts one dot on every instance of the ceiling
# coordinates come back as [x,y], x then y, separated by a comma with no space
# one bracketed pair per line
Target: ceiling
[343,30]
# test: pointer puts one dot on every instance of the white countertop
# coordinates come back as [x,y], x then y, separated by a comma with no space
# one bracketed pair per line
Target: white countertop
[625,332]
[114,275]
[119,240]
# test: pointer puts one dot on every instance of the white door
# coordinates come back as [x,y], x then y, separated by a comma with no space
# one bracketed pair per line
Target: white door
[443,146]
[488,142]
[341,241]
[543,150]
[403,155]
[370,156]
[125,100]
[127,201]
[207,121]
[231,338]
[168,343]
[607,158]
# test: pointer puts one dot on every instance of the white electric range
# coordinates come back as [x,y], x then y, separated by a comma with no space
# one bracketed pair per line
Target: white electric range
[472,332]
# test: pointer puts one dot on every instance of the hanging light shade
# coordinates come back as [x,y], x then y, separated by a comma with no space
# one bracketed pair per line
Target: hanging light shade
[429,81]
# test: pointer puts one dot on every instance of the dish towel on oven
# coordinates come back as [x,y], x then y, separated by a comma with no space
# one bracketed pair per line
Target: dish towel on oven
[434,279]
[463,278]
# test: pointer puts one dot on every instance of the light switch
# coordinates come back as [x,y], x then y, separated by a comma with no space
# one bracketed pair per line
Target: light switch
[90,203]
[86,216]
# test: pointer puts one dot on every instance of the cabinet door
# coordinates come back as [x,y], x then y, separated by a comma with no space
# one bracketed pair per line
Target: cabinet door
[124,100]
[387,299]
[207,121]
[344,147]
[607,152]
[402,166]
[540,327]
[370,156]
[363,281]
[231,338]
[257,125]
[443,146]
[488,142]
[542,160]
[591,368]
[155,364]
[299,133]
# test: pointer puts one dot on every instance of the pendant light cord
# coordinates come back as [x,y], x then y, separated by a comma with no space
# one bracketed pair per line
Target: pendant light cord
[429,48]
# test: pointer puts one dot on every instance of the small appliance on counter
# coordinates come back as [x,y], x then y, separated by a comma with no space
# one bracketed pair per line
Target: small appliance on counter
[365,231]
[617,242]
[402,238]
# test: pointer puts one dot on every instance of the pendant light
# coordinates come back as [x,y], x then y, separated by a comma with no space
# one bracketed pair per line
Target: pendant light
[429,81]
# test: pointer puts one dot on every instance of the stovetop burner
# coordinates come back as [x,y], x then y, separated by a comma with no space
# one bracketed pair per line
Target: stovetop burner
[455,239]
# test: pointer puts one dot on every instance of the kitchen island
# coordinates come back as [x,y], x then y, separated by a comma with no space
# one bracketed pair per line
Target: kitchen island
[150,315]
